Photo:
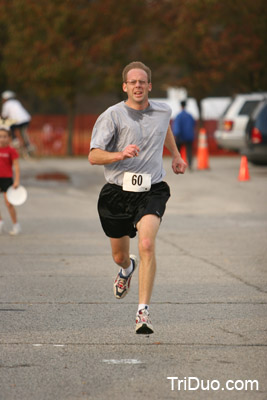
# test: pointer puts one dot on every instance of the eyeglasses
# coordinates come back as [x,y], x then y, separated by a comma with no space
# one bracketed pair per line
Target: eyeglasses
[134,82]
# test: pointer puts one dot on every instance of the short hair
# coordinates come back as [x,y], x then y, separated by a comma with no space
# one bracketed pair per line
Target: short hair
[183,103]
[133,65]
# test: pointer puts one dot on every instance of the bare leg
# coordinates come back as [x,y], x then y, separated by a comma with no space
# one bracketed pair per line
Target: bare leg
[189,153]
[147,229]
[120,251]
[25,137]
[11,210]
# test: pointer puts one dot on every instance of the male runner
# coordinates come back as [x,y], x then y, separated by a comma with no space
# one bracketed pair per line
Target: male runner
[128,139]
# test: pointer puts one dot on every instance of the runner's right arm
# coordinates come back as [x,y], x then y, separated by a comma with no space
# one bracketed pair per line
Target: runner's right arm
[102,157]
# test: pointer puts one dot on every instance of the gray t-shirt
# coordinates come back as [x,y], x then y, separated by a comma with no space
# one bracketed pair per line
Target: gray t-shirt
[120,126]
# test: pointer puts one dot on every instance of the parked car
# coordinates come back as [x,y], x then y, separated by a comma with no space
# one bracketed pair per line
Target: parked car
[256,135]
[230,133]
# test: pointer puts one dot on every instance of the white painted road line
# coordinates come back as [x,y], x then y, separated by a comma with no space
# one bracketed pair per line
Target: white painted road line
[123,361]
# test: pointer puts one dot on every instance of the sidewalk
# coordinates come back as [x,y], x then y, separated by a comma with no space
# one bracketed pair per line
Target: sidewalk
[64,336]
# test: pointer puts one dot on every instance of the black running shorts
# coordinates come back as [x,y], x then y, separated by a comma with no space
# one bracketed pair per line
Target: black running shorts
[5,183]
[119,211]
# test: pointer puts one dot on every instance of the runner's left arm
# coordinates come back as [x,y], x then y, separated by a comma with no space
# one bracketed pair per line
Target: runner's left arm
[178,164]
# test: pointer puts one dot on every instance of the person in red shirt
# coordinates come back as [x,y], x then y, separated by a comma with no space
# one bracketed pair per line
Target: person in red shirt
[8,160]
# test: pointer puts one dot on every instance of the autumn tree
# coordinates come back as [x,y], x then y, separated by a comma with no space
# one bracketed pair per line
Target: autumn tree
[210,47]
[66,47]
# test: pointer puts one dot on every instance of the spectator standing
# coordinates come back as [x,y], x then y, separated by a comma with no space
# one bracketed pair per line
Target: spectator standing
[8,159]
[18,119]
[183,130]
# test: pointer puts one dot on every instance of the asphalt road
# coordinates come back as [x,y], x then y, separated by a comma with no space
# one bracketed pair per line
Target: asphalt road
[64,336]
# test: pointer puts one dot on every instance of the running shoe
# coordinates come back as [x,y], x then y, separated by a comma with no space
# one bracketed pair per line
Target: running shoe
[122,284]
[143,323]
[15,230]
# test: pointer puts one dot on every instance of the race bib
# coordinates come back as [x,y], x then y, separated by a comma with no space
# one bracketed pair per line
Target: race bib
[136,182]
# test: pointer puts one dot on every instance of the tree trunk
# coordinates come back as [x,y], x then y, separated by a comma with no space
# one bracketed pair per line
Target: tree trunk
[200,121]
[71,119]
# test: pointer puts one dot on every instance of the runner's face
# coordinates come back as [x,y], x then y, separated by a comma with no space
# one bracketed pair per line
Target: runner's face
[4,139]
[137,88]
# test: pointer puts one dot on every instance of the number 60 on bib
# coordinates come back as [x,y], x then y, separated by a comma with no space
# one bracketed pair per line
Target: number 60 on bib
[134,182]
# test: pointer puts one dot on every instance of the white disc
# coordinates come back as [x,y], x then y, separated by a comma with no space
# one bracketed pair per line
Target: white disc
[16,196]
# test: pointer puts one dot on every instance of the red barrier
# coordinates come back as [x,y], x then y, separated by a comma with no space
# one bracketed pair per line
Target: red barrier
[49,135]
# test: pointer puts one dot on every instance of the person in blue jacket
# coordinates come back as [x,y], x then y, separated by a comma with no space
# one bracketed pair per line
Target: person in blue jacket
[183,130]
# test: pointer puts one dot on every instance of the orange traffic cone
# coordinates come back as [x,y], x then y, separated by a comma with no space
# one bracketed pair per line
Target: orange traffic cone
[183,153]
[202,151]
[243,171]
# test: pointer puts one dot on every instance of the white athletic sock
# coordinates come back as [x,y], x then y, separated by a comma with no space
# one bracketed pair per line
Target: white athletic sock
[127,271]
[142,306]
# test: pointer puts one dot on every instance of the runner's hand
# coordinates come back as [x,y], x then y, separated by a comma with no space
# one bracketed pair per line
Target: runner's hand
[178,165]
[130,151]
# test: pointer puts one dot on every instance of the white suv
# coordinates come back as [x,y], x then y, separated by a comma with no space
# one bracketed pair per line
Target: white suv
[230,133]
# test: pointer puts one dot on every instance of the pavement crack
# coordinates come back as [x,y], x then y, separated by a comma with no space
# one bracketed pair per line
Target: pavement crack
[54,254]
[213,264]
[233,333]
[18,366]
[80,303]
[123,344]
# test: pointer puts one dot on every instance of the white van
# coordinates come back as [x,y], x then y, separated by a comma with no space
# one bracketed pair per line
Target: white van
[230,133]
